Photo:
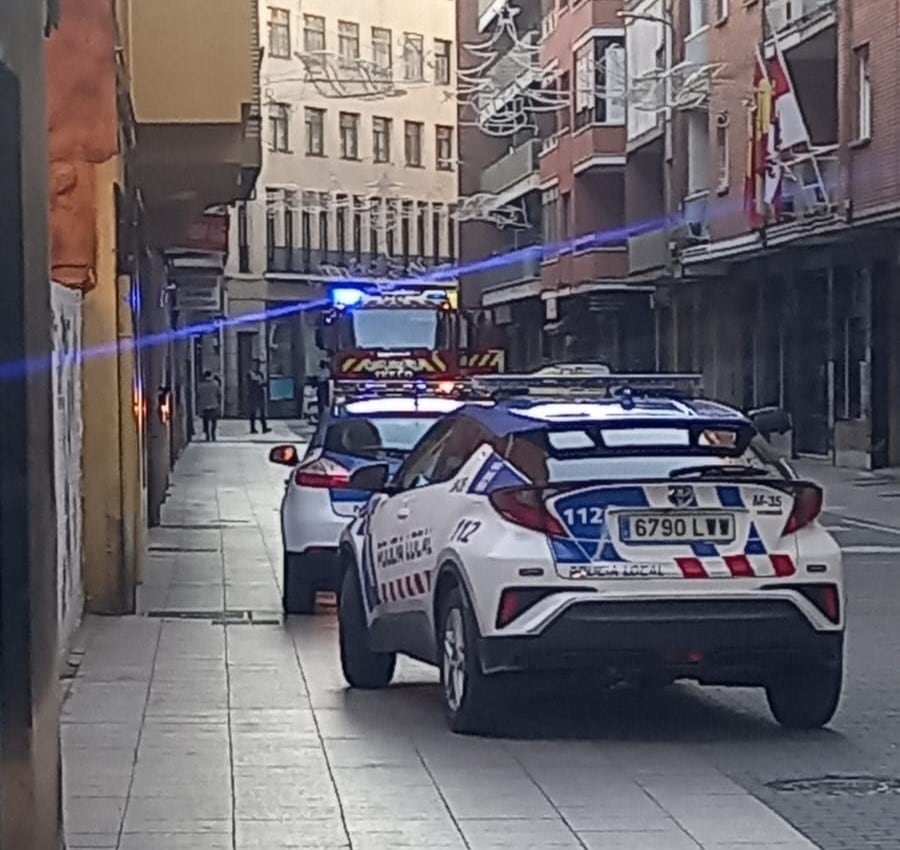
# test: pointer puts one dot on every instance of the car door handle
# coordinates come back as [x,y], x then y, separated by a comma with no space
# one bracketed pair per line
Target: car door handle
[403,513]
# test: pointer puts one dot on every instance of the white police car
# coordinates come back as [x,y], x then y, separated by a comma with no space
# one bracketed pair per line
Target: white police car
[319,500]
[640,537]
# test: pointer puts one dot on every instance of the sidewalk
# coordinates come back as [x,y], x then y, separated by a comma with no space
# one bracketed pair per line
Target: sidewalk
[238,431]
[868,497]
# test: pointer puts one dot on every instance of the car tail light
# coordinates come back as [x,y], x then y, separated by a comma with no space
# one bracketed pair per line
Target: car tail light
[807,506]
[515,601]
[525,507]
[825,597]
[323,474]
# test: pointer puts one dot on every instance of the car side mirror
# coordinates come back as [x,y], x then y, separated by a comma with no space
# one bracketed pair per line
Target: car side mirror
[284,455]
[371,479]
[771,420]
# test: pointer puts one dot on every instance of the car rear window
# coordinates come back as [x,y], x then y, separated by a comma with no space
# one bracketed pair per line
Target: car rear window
[368,436]
[573,454]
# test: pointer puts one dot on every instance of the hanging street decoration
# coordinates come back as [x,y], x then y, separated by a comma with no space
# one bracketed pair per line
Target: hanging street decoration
[484,206]
[506,90]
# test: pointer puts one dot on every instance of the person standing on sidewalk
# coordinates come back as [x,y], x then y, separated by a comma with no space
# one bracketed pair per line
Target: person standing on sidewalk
[257,397]
[209,401]
[323,388]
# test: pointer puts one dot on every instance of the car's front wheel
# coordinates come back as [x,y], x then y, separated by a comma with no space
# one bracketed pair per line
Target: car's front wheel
[466,691]
[806,699]
[299,596]
[363,668]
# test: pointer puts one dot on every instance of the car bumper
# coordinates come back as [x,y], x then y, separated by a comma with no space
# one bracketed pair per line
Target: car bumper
[318,566]
[734,642]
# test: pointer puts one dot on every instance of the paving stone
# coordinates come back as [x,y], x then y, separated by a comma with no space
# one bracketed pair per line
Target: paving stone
[521,834]
[290,835]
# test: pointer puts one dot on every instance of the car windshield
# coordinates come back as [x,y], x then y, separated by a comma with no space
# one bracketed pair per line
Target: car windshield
[395,328]
[571,454]
[377,436]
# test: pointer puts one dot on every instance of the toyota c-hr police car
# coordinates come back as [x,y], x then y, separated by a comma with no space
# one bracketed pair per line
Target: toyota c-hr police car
[319,500]
[639,537]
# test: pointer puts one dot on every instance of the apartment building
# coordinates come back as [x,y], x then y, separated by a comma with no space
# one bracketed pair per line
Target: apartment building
[564,294]
[359,175]
[773,146]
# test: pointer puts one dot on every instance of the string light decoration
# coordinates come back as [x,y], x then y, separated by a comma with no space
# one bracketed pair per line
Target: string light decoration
[484,206]
[506,90]
[338,76]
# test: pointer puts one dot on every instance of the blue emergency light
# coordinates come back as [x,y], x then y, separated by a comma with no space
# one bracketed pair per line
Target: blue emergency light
[343,297]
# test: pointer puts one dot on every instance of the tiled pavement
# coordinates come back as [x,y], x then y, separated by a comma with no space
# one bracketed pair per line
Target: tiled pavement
[206,732]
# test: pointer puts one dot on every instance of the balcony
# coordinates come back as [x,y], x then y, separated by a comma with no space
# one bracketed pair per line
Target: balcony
[337,264]
[648,252]
[193,77]
[494,280]
[513,169]
[508,79]
[795,21]
[594,265]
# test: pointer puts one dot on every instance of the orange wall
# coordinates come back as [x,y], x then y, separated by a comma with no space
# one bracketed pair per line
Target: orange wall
[83,132]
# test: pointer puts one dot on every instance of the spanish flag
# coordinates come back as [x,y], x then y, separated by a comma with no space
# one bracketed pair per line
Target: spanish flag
[759,138]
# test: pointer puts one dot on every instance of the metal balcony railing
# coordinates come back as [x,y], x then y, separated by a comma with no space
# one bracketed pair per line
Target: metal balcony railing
[785,14]
[521,271]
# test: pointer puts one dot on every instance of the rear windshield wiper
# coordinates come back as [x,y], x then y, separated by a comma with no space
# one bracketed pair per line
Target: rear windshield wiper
[719,471]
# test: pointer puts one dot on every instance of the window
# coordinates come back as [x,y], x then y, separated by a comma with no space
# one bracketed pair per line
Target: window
[272,199]
[721,10]
[405,217]
[413,132]
[550,216]
[357,227]
[381,139]
[348,42]
[290,206]
[349,122]
[436,233]
[600,82]
[243,234]
[324,242]
[451,237]
[280,33]
[315,131]
[279,127]
[420,230]
[382,52]
[374,227]
[444,144]
[306,226]
[565,113]
[341,226]
[565,215]
[419,467]
[863,93]
[413,57]
[390,222]
[697,14]
[313,33]
[442,62]
[723,153]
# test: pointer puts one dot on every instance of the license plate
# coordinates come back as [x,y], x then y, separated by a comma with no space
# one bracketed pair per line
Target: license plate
[674,528]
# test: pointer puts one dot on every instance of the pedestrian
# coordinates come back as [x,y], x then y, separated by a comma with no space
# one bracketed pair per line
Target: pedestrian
[209,400]
[257,397]
[323,388]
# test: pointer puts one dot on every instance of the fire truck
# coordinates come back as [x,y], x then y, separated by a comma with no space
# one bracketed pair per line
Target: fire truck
[413,331]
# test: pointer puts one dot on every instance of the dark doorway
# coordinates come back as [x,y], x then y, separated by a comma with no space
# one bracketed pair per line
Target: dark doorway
[246,354]
[881,364]
[808,358]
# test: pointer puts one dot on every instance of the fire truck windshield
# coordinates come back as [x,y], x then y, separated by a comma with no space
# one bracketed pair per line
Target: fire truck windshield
[395,328]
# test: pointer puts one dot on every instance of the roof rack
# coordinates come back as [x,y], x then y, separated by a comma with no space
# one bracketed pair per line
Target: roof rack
[582,387]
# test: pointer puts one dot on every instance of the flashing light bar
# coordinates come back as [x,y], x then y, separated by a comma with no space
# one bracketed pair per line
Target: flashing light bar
[387,387]
[348,297]
[673,384]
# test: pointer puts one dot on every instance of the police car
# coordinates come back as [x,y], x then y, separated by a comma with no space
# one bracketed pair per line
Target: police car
[371,422]
[638,534]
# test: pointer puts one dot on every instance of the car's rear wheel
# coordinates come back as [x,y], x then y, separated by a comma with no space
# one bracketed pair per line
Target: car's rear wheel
[299,596]
[466,691]
[363,668]
[806,699]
